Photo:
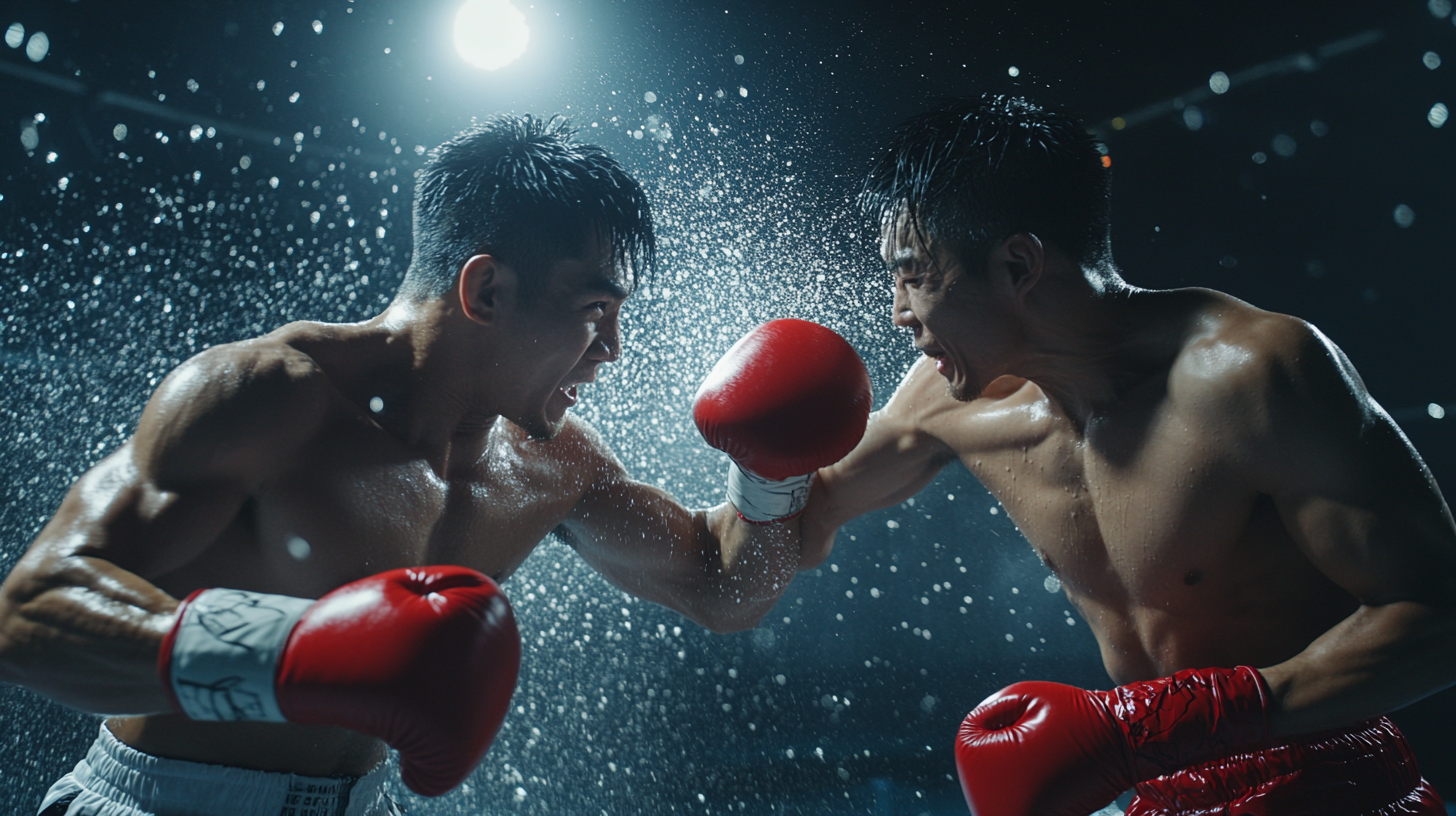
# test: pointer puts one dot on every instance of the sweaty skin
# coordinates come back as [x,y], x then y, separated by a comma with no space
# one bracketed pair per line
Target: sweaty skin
[261,465]
[1211,482]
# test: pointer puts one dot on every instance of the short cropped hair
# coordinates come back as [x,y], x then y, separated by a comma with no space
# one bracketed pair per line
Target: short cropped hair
[970,173]
[522,189]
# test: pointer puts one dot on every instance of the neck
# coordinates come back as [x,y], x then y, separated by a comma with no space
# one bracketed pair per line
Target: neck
[1088,344]
[411,378]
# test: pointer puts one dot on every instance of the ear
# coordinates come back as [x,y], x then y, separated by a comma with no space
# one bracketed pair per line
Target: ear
[482,281]
[1025,260]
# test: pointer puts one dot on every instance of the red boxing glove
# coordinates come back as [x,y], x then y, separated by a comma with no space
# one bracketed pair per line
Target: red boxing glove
[1045,749]
[424,659]
[1366,769]
[788,398]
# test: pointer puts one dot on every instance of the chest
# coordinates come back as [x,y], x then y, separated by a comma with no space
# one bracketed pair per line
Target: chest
[356,504]
[1141,505]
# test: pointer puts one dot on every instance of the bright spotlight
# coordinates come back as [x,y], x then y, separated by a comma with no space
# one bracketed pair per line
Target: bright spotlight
[490,34]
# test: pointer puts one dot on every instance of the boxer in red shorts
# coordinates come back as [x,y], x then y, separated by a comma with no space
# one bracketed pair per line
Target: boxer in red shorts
[1265,561]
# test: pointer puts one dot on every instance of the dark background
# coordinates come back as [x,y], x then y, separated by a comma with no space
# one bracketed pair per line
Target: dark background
[121,257]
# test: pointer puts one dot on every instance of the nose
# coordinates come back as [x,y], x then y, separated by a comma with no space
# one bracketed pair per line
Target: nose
[900,312]
[607,347]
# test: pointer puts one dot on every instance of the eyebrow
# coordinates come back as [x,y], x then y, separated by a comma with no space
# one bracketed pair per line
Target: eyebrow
[606,286]
[903,258]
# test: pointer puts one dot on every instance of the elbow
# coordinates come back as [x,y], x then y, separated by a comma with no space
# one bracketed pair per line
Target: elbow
[728,618]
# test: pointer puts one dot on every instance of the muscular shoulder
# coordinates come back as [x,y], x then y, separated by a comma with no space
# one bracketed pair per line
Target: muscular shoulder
[578,455]
[231,408]
[1010,412]
[1255,369]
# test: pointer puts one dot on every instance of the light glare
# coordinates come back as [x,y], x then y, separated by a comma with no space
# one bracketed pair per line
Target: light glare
[490,34]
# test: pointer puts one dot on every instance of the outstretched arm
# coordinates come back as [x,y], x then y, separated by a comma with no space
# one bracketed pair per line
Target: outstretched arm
[80,621]
[788,397]
[1366,511]
[716,569]
[897,457]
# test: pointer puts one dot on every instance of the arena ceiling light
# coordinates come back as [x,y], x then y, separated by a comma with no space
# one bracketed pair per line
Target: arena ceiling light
[490,34]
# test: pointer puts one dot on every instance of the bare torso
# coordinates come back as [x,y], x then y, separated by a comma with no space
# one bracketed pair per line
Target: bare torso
[1174,561]
[1172,565]
[357,501]
[320,454]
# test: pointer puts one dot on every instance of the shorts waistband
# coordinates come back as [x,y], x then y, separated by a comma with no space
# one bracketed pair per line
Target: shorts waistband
[130,778]
[1362,769]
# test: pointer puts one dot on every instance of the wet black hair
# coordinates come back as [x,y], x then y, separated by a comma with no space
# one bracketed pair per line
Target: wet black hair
[970,173]
[523,189]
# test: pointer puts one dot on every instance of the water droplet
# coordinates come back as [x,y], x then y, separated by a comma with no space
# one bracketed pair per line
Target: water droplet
[298,548]
[38,46]
[1438,115]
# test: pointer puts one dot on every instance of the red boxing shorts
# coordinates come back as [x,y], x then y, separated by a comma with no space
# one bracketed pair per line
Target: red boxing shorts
[1366,770]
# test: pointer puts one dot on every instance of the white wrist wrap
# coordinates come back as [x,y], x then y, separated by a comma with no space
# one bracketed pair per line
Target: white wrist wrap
[225,653]
[765,500]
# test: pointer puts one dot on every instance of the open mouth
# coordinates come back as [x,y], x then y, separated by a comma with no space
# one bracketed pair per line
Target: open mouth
[942,365]
[569,393]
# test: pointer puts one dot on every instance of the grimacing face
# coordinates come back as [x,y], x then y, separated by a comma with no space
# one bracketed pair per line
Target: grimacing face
[559,340]
[962,319]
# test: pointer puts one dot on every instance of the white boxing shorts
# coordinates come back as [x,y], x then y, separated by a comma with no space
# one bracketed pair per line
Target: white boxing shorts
[117,780]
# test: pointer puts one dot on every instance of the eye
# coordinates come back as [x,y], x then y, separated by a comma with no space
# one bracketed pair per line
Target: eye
[598,306]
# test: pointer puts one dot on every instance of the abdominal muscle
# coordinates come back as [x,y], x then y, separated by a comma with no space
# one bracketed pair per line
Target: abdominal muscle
[1170,573]
[1158,604]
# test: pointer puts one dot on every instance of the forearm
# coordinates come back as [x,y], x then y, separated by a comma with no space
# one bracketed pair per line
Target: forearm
[754,565]
[85,633]
[1375,661]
